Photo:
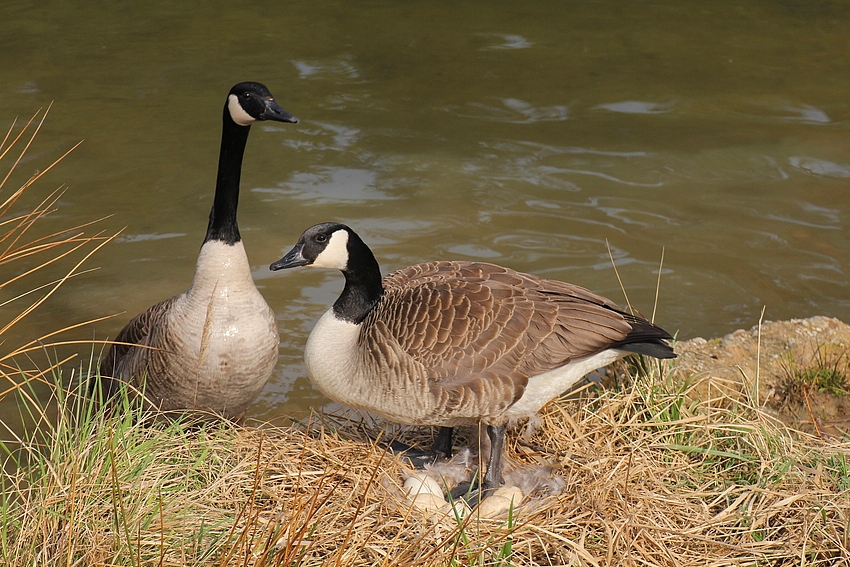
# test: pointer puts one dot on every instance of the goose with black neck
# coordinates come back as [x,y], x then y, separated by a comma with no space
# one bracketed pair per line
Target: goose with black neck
[457,343]
[213,347]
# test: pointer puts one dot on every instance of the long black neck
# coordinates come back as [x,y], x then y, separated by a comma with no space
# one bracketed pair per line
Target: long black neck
[222,226]
[363,287]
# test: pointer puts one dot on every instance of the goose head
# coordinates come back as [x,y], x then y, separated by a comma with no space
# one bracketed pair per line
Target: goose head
[334,245]
[251,102]
[324,245]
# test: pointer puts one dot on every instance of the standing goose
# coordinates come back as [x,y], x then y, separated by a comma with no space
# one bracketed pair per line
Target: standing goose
[454,343]
[214,346]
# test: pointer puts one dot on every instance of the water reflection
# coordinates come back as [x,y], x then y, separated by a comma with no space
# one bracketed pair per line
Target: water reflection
[146,237]
[514,111]
[328,185]
[817,166]
[510,41]
[807,113]
[326,70]
[637,107]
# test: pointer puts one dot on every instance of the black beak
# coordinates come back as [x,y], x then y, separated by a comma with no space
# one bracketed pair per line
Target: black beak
[274,112]
[293,259]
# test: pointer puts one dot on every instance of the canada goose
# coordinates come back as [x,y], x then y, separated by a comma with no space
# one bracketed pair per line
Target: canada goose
[214,346]
[454,343]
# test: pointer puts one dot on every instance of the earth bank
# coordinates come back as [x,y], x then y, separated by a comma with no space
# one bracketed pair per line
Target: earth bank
[797,367]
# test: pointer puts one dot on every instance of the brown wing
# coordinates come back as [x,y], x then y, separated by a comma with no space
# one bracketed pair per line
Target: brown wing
[126,362]
[478,331]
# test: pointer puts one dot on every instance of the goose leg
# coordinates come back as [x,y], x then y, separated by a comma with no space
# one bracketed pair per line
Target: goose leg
[443,443]
[493,477]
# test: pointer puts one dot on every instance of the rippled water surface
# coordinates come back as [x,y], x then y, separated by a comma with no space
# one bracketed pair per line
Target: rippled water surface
[538,135]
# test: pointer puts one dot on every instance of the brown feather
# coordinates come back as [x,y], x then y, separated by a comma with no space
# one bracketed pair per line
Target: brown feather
[475,332]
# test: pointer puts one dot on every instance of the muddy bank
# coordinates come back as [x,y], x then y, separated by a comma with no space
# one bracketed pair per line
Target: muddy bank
[799,368]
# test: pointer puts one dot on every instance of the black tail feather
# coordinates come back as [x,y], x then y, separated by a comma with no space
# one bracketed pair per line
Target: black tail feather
[658,349]
[646,338]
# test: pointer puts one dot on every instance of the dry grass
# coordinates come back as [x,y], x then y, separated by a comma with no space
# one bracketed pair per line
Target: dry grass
[653,478]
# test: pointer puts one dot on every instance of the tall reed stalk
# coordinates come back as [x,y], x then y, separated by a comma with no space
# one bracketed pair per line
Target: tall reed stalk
[26,253]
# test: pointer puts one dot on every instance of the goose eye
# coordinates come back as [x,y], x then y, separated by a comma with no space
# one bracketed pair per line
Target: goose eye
[322,238]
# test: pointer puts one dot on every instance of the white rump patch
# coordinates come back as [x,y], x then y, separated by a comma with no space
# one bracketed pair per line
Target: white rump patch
[545,387]
[237,113]
[335,254]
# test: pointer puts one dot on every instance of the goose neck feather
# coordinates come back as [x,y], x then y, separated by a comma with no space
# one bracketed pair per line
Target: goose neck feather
[222,225]
[363,286]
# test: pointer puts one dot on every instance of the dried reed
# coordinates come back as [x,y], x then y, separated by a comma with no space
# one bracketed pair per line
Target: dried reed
[654,477]
[26,252]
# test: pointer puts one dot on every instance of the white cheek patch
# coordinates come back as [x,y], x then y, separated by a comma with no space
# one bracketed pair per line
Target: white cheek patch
[237,113]
[335,254]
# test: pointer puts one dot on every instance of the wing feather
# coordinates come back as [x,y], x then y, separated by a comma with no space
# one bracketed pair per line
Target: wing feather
[125,361]
[476,331]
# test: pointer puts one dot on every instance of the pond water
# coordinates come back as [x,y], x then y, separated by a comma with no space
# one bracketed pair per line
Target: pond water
[537,135]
